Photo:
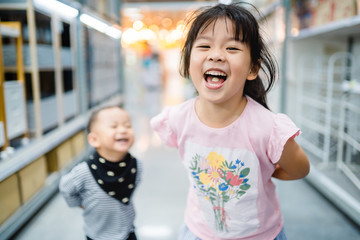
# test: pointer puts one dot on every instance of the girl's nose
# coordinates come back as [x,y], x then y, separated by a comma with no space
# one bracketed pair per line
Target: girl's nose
[216,56]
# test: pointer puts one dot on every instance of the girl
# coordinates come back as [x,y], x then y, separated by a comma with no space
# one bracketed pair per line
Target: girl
[230,142]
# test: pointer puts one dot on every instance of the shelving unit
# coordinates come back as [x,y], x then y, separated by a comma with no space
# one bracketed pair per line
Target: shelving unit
[13,92]
[318,97]
[48,52]
[3,136]
[322,59]
[348,152]
[342,28]
[57,82]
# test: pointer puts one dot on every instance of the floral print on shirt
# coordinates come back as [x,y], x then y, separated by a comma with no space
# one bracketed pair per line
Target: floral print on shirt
[219,181]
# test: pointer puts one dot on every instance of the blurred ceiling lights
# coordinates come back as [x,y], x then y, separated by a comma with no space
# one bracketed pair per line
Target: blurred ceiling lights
[59,8]
[158,22]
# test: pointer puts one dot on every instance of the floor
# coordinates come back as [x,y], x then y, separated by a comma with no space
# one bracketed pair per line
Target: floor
[160,202]
[160,199]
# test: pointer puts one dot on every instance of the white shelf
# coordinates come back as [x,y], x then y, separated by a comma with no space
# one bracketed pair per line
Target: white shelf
[7,31]
[342,28]
[38,148]
[49,115]
[45,55]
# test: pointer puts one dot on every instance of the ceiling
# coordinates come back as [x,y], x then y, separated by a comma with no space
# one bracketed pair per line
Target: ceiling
[155,11]
[148,1]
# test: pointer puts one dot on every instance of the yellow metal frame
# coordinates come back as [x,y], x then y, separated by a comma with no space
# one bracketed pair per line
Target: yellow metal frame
[19,71]
[2,93]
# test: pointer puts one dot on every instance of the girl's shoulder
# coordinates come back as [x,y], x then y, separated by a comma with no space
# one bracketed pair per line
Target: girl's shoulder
[257,109]
[264,117]
[183,107]
[176,111]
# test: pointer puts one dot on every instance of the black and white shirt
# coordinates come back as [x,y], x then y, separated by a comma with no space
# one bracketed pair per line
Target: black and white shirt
[104,216]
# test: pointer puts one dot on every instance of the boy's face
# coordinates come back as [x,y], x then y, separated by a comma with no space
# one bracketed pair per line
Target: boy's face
[112,134]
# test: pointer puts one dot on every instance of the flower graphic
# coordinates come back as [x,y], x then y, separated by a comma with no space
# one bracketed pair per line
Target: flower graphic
[215,160]
[219,181]
[223,187]
[233,180]
[204,178]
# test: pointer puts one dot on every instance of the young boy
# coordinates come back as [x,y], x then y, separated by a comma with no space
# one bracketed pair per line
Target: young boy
[103,185]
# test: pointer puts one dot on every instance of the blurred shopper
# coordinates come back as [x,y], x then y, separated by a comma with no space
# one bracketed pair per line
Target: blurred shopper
[152,80]
[103,185]
[230,142]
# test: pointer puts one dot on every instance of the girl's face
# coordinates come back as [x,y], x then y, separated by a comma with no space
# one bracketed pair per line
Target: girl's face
[112,134]
[220,65]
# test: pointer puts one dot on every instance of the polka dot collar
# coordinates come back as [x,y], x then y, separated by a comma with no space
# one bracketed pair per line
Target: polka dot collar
[117,179]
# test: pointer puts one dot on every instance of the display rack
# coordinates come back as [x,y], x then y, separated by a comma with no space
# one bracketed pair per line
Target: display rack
[318,95]
[3,136]
[55,54]
[341,28]
[13,92]
[321,60]
[348,154]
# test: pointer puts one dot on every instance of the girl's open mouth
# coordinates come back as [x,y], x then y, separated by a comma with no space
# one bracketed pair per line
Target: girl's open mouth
[214,79]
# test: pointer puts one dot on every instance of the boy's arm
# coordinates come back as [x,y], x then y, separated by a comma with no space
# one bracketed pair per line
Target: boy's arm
[69,190]
[293,163]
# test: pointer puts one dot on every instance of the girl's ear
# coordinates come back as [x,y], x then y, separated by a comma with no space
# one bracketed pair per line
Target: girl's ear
[254,71]
[93,140]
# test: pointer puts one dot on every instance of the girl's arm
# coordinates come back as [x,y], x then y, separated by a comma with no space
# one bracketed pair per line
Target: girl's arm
[293,163]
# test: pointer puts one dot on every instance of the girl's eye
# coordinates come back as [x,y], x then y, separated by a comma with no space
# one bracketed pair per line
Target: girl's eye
[203,46]
[233,49]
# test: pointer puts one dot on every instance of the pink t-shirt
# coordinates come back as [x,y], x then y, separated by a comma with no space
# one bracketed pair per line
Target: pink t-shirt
[231,195]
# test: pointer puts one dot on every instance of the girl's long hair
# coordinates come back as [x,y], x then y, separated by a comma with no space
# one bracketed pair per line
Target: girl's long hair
[246,31]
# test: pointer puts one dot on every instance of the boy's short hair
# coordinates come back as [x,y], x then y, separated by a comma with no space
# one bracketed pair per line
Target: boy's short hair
[96,112]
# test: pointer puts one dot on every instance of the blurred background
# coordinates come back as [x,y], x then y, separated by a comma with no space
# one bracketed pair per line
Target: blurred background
[61,59]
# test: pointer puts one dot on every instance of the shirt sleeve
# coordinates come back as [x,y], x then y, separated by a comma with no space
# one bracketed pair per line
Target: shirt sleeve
[161,124]
[69,187]
[139,171]
[284,129]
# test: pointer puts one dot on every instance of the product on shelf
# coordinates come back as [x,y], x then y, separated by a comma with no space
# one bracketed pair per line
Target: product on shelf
[312,13]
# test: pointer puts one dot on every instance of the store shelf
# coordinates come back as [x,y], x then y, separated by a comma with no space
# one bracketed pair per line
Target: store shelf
[49,115]
[342,28]
[40,147]
[13,92]
[23,214]
[45,57]
[7,31]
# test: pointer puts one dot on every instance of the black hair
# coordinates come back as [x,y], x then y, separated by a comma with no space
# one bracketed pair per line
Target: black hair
[96,112]
[247,31]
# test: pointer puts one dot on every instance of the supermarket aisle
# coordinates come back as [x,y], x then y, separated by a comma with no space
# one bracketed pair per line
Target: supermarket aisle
[161,197]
